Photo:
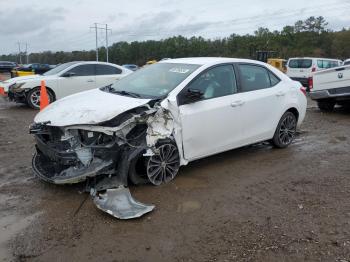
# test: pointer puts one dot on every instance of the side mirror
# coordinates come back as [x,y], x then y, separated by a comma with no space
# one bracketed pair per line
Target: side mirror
[68,74]
[193,95]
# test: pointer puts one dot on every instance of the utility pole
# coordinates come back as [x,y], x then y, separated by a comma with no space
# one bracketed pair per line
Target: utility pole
[106,43]
[25,53]
[95,27]
[19,52]
[27,56]
[96,37]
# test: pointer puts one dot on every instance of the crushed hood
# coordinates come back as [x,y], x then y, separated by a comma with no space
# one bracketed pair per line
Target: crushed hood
[90,107]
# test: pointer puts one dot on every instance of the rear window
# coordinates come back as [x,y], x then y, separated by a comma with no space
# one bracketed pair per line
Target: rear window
[300,63]
[327,64]
[347,63]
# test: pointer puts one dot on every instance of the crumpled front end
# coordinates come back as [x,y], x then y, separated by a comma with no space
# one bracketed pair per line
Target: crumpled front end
[71,156]
[137,145]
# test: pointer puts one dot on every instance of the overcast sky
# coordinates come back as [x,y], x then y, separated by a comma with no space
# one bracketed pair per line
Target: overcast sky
[64,24]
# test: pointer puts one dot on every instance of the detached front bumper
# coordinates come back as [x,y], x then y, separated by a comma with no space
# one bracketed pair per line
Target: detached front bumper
[342,93]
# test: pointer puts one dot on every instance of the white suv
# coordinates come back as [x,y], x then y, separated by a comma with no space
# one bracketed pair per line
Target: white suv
[301,69]
[63,80]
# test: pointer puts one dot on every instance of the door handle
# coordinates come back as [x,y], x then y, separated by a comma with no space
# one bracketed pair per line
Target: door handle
[237,103]
[279,94]
[90,81]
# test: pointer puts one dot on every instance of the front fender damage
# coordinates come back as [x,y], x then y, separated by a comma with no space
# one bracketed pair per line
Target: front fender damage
[101,155]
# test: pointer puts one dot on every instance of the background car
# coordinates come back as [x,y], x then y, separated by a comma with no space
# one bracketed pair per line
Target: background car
[346,62]
[64,80]
[131,67]
[32,69]
[301,69]
[331,87]
[6,66]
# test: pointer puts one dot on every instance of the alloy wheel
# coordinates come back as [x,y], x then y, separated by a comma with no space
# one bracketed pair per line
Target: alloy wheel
[163,166]
[35,98]
[287,130]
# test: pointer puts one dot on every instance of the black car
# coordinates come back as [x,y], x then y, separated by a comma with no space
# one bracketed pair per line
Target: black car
[36,68]
[6,66]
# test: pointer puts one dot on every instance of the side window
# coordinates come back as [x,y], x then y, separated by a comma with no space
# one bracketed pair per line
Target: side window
[273,79]
[107,70]
[216,82]
[334,63]
[83,70]
[256,77]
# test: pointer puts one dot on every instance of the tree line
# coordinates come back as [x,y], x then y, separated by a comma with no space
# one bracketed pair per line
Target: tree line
[310,37]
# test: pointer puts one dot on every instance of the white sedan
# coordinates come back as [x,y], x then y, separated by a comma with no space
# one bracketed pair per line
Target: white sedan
[148,124]
[63,80]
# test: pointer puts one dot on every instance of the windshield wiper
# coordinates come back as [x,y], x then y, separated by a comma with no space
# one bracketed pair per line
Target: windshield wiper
[127,93]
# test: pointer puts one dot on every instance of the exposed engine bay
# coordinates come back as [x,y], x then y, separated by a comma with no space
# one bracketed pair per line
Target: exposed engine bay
[138,146]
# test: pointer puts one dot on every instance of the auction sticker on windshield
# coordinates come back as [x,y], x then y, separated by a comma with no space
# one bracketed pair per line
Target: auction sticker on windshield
[179,70]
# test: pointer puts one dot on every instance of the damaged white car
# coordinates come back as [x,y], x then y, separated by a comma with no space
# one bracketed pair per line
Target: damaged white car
[148,124]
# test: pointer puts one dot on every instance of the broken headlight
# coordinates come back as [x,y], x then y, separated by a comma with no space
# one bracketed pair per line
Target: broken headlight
[16,87]
[92,139]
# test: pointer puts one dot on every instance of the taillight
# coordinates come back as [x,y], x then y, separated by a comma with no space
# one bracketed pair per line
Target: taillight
[311,82]
[313,69]
[303,89]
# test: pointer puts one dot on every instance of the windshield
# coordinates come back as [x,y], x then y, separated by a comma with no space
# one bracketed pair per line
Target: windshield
[300,63]
[58,69]
[154,81]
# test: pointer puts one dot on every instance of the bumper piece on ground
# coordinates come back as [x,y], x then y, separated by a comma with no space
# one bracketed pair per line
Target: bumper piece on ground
[119,203]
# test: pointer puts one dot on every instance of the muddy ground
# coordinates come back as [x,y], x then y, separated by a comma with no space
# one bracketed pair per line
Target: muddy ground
[251,204]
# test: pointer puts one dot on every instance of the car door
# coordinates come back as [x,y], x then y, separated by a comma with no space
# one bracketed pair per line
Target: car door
[107,74]
[77,79]
[211,124]
[263,97]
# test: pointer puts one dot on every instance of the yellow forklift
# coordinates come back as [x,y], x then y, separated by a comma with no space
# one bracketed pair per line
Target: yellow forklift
[279,63]
[270,57]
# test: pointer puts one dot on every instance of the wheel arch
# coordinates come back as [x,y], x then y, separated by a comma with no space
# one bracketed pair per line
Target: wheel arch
[294,111]
[47,87]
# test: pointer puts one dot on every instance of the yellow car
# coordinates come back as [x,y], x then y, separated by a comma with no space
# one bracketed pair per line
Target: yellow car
[22,73]
[279,63]
[150,62]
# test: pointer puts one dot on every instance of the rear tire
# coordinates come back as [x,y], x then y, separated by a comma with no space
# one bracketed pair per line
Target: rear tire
[285,131]
[33,97]
[326,105]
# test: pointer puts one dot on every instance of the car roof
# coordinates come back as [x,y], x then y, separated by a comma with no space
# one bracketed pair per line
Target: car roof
[208,60]
[335,59]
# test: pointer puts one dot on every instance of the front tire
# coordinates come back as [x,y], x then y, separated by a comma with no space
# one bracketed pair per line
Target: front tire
[285,131]
[33,97]
[158,169]
[326,105]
